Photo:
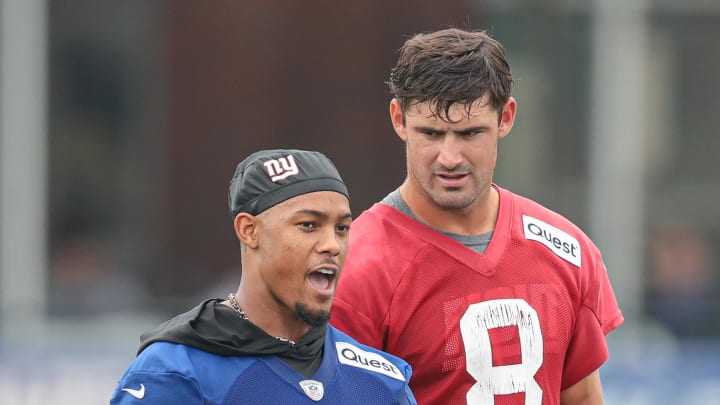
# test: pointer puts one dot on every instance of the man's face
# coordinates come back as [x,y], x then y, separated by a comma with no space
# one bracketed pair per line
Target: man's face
[302,244]
[451,162]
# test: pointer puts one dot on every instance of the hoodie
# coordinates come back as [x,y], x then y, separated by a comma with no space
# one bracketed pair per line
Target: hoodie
[215,328]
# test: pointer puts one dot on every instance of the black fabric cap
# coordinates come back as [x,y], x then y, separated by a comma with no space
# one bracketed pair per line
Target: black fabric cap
[269,177]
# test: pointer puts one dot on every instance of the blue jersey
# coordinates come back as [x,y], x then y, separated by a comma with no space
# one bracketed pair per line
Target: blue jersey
[350,373]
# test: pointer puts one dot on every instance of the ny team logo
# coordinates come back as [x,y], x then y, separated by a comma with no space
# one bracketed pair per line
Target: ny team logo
[313,389]
[281,168]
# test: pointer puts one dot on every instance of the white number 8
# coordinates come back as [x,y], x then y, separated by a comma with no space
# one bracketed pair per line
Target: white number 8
[507,379]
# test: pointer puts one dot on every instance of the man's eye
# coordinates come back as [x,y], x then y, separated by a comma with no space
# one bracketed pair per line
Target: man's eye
[343,228]
[308,225]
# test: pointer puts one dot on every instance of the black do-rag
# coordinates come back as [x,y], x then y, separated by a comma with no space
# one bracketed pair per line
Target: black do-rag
[269,177]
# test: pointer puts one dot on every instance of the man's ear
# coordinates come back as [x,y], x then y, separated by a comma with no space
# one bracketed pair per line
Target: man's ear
[397,118]
[507,117]
[246,229]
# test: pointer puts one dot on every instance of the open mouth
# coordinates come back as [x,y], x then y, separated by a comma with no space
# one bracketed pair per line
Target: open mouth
[323,279]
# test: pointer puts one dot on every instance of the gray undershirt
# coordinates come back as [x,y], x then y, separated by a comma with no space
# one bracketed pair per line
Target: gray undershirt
[477,243]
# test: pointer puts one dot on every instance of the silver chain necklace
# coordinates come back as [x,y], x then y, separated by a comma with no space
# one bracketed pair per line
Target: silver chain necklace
[236,307]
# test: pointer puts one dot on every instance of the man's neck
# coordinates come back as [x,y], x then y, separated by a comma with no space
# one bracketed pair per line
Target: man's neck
[273,321]
[478,218]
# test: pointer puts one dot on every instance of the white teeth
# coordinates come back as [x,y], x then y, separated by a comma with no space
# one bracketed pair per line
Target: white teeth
[327,272]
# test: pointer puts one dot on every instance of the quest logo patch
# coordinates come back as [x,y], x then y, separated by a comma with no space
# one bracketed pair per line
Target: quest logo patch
[352,355]
[560,242]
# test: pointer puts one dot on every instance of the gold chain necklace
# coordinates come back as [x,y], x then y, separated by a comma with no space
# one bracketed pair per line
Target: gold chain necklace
[236,307]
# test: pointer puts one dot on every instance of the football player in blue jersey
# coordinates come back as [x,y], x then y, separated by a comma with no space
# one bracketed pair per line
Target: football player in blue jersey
[270,342]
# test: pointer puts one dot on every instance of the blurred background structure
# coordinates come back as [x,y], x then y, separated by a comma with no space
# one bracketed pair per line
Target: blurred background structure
[121,124]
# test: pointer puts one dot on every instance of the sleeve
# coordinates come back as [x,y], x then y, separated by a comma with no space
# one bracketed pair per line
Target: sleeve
[157,389]
[598,315]
[606,305]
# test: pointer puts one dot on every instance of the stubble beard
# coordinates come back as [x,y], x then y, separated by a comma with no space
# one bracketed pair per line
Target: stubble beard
[458,198]
[452,198]
[311,318]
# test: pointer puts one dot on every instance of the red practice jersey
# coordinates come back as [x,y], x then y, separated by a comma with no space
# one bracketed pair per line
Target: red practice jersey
[515,325]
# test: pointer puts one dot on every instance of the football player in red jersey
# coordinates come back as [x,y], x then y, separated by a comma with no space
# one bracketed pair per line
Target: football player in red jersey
[491,297]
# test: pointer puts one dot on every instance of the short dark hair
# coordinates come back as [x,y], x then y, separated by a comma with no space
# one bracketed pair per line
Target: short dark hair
[451,66]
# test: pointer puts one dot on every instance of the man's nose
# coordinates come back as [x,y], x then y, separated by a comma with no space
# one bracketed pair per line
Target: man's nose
[329,242]
[450,155]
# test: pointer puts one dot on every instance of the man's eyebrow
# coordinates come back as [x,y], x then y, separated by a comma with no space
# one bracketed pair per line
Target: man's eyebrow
[470,129]
[321,214]
[314,213]
[423,128]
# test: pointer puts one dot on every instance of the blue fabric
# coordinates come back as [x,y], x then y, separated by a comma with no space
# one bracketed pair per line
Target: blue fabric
[169,373]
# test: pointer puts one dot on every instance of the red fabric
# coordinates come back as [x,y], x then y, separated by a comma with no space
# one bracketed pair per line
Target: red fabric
[516,321]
